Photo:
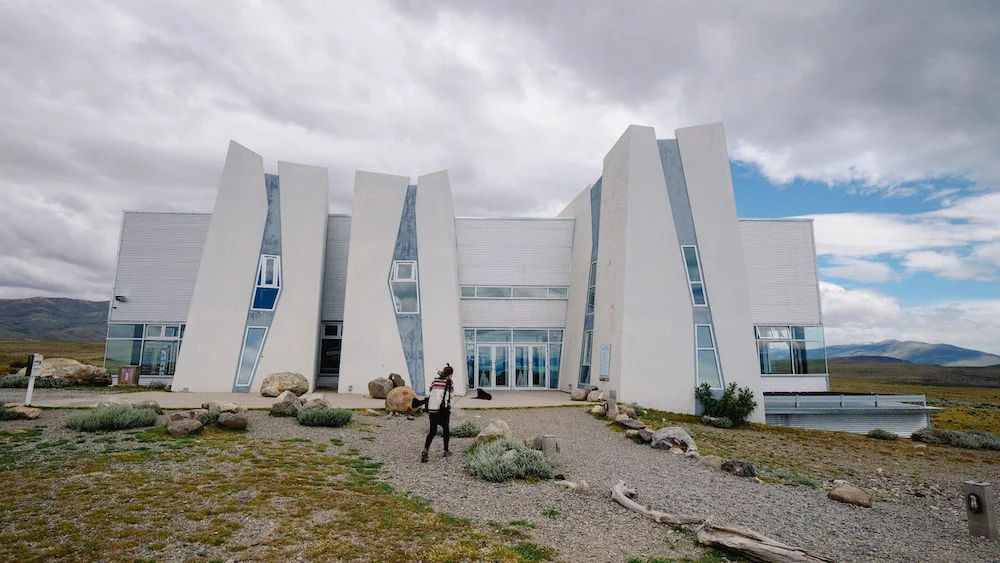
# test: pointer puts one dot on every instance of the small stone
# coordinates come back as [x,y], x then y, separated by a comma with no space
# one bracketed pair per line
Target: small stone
[758,481]
[628,411]
[580,487]
[740,468]
[233,421]
[370,412]
[397,380]
[184,427]
[646,435]
[578,395]
[27,413]
[589,388]
[598,409]
[379,387]
[410,417]
[851,495]
[631,433]
[693,454]
[17,431]
[712,461]
[675,450]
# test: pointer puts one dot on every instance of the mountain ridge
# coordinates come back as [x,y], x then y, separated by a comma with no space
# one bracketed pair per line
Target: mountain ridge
[916,352]
[53,318]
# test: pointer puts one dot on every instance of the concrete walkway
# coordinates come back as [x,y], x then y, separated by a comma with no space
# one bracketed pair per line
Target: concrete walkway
[169,400]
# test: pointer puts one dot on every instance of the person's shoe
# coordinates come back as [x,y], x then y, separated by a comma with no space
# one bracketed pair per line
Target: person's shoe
[447,454]
[423,456]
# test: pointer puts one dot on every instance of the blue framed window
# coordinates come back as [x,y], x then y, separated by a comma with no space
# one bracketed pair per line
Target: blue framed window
[403,285]
[707,356]
[268,285]
[253,342]
[693,267]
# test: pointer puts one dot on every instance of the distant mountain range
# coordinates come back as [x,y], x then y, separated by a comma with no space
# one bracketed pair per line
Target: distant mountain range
[50,318]
[915,352]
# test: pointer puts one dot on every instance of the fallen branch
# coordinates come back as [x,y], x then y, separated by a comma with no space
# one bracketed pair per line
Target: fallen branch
[732,538]
[623,496]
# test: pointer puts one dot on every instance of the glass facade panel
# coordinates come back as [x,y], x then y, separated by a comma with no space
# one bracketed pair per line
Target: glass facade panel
[775,357]
[500,366]
[485,366]
[124,331]
[404,271]
[591,296]
[495,292]
[120,353]
[555,356]
[588,346]
[708,369]
[555,335]
[251,350]
[774,332]
[330,330]
[522,363]
[154,331]
[558,292]
[329,356]
[159,358]
[539,363]
[809,357]
[171,331]
[468,291]
[704,336]
[492,335]
[265,298]
[698,294]
[470,335]
[530,293]
[404,296]
[691,261]
[470,364]
[531,335]
[807,333]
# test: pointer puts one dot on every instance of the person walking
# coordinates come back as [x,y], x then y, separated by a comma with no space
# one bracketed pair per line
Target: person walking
[439,409]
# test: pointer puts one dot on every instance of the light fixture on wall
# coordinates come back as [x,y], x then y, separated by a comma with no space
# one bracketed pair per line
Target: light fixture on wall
[121,298]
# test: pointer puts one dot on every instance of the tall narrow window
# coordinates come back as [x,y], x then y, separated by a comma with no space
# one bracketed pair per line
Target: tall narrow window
[253,341]
[403,284]
[592,288]
[268,286]
[588,348]
[708,360]
[694,275]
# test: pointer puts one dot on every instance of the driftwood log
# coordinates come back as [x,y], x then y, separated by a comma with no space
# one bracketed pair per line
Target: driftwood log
[733,538]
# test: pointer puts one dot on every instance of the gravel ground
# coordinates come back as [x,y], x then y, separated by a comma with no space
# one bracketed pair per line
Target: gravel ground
[594,528]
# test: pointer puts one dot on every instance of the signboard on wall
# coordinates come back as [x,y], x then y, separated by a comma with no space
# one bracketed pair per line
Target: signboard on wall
[606,361]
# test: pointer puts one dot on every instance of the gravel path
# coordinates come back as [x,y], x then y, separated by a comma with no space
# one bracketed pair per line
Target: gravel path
[594,528]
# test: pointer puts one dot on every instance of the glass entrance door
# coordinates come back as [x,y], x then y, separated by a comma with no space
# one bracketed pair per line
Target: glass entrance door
[492,366]
[530,363]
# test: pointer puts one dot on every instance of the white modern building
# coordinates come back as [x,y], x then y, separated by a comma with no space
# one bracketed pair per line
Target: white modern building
[647,284]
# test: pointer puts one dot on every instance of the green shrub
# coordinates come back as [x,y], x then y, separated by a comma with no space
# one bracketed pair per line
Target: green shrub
[987,441]
[791,477]
[158,385]
[639,411]
[6,414]
[492,462]
[119,417]
[882,434]
[973,439]
[209,418]
[721,422]
[468,429]
[334,418]
[21,382]
[736,404]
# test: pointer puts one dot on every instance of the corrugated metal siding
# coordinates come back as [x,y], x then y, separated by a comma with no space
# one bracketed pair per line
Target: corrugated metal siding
[903,424]
[522,313]
[791,383]
[781,271]
[158,259]
[338,241]
[514,251]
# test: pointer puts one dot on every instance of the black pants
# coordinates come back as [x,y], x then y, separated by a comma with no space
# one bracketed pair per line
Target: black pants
[439,418]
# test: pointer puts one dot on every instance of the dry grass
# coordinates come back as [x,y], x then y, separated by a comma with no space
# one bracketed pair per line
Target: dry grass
[147,493]
[16,351]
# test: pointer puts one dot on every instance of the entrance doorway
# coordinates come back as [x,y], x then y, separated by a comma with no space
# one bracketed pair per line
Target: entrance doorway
[500,359]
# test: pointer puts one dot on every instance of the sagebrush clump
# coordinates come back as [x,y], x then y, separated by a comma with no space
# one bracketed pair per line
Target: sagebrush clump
[468,429]
[119,417]
[882,434]
[736,404]
[334,418]
[972,439]
[158,385]
[21,382]
[503,460]
[7,414]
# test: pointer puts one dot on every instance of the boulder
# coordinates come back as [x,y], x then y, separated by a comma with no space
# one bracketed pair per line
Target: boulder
[286,405]
[109,403]
[277,383]
[28,413]
[186,415]
[594,396]
[627,411]
[851,495]
[629,424]
[631,433]
[232,420]
[496,430]
[397,380]
[739,468]
[645,434]
[88,376]
[712,461]
[598,409]
[313,401]
[148,405]
[589,388]
[183,427]
[222,406]
[578,394]
[400,400]
[379,387]
[54,367]
[670,436]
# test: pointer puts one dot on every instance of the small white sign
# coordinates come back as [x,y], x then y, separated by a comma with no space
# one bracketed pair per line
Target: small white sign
[606,360]
[33,370]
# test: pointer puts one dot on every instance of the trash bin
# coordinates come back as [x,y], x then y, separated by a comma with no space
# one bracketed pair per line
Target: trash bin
[128,375]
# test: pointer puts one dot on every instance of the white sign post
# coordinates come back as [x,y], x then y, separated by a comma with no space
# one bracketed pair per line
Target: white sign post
[34,368]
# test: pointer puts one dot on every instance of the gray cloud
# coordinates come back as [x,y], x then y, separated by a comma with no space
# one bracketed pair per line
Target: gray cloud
[129,104]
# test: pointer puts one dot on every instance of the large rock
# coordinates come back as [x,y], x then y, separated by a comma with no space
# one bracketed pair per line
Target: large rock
[739,468]
[594,396]
[851,495]
[712,461]
[589,388]
[379,387]
[233,421]
[400,400]
[397,380]
[496,430]
[223,406]
[578,394]
[277,383]
[88,376]
[183,427]
[54,367]
[194,414]
[148,405]
[629,423]
[286,405]
[28,413]
[313,401]
[645,434]
[110,403]
[666,438]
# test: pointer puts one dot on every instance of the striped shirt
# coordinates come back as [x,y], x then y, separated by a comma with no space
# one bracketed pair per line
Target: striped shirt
[440,395]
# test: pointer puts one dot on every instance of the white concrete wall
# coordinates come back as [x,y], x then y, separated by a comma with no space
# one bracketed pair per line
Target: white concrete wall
[371,346]
[441,319]
[710,190]
[158,259]
[780,259]
[338,239]
[293,340]
[214,335]
[646,299]
[532,252]
[514,313]
[576,305]
[794,383]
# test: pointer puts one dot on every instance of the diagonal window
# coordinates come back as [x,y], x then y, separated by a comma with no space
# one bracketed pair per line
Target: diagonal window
[268,286]
[403,285]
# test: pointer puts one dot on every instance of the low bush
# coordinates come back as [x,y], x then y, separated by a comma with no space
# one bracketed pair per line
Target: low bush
[7,414]
[736,404]
[158,385]
[639,411]
[882,434]
[972,439]
[791,477]
[334,418]
[468,429]
[119,417]
[721,422]
[21,382]
[209,418]
[503,460]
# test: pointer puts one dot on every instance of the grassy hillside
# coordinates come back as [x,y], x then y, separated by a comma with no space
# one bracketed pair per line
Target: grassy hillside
[14,353]
[44,318]
[916,352]
[915,374]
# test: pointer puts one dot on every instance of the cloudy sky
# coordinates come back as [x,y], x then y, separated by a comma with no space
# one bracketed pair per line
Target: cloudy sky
[878,120]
